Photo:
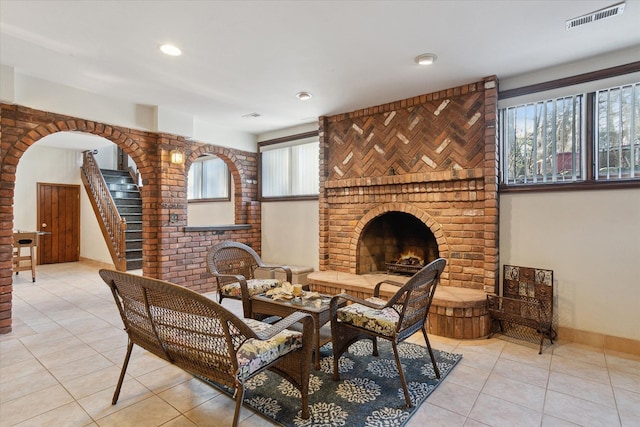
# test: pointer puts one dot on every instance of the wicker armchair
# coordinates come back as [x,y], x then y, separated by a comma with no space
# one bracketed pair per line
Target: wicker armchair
[394,320]
[202,337]
[233,264]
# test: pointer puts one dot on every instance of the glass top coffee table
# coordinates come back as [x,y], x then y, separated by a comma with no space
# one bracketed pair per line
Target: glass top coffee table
[318,308]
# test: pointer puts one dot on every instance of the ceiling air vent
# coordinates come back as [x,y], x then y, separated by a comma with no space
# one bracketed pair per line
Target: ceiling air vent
[607,12]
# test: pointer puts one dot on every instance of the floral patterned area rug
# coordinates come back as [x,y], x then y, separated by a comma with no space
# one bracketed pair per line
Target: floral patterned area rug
[369,392]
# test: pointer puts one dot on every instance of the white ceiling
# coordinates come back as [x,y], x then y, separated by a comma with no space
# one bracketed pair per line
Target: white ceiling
[241,57]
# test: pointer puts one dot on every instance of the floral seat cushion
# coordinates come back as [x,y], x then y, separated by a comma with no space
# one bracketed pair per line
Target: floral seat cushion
[255,286]
[255,354]
[382,321]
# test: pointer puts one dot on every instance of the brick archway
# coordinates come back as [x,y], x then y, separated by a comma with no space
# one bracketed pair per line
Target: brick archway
[119,138]
[20,129]
[241,198]
[163,195]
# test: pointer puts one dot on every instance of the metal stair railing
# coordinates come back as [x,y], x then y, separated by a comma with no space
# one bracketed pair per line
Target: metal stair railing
[113,226]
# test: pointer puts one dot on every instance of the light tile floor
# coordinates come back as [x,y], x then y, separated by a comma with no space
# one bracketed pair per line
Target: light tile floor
[61,363]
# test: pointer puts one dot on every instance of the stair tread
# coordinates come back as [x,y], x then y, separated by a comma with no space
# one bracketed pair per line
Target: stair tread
[115,172]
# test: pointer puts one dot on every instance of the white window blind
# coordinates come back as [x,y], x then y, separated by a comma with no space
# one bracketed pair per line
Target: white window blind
[208,179]
[291,169]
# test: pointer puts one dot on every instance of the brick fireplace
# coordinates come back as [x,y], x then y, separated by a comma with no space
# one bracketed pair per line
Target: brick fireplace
[418,174]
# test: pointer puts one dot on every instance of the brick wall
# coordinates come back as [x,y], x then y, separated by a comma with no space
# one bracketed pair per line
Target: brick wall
[433,156]
[169,252]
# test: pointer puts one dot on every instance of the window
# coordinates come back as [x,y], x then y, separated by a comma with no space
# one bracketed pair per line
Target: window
[542,142]
[291,169]
[585,137]
[618,134]
[208,179]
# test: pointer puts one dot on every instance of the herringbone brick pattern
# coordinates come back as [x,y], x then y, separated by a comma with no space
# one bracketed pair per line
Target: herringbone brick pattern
[437,135]
[433,156]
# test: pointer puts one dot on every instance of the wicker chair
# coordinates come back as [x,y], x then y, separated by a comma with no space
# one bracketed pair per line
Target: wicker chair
[233,264]
[202,337]
[394,320]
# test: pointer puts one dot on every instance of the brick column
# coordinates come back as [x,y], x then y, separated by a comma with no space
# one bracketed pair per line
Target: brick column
[491,176]
[7,185]
[322,199]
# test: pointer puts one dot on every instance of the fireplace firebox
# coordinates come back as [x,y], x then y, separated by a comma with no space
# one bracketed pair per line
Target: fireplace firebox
[396,242]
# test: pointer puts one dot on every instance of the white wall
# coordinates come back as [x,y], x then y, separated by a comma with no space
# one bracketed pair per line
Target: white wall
[281,133]
[290,233]
[591,241]
[209,133]
[56,166]
[7,92]
[212,213]
[291,229]
[610,59]
[43,95]
[107,156]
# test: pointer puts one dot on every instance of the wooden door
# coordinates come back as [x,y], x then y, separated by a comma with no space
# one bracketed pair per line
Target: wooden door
[59,214]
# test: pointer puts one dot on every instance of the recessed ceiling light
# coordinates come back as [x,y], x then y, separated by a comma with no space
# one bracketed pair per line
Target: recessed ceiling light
[426,59]
[170,50]
[303,96]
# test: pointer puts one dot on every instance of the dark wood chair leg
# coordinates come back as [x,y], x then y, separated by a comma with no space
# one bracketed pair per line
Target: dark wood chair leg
[336,372]
[433,359]
[122,372]
[407,398]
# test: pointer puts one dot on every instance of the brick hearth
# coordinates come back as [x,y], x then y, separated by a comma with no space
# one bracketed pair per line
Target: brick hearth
[459,313]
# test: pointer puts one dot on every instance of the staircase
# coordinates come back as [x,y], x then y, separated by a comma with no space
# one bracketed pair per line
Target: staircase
[126,196]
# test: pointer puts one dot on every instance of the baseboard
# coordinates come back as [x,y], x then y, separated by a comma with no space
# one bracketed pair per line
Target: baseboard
[602,341]
[98,264]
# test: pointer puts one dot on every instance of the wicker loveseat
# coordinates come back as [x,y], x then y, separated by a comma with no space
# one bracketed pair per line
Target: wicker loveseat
[202,337]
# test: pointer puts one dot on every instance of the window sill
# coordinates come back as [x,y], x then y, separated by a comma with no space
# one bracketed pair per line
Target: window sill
[570,186]
[289,198]
[218,228]
[218,199]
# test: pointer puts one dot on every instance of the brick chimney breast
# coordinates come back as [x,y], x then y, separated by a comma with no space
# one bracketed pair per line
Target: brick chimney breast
[430,157]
